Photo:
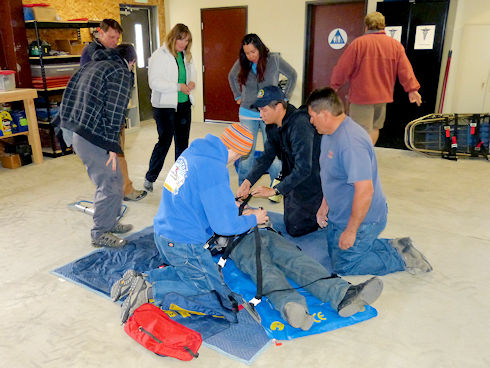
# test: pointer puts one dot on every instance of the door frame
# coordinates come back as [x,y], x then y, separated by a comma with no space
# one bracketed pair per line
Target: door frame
[308,41]
[153,26]
[143,89]
[211,121]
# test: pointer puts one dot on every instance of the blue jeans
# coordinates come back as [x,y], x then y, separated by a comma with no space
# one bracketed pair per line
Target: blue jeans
[190,271]
[247,162]
[369,254]
[280,260]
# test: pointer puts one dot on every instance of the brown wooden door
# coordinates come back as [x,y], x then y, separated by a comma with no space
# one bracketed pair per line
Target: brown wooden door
[222,33]
[325,20]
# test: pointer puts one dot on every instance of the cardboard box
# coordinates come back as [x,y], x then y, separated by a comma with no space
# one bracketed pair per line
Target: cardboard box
[71,47]
[11,161]
[77,48]
[44,14]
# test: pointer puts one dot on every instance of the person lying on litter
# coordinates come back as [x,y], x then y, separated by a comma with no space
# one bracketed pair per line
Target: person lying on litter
[280,259]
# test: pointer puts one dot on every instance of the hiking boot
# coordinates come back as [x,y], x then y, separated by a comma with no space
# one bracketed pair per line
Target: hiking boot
[297,316]
[148,185]
[357,296]
[414,260]
[140,292]
[121,228]
[108,240]
[135,195]
[122,286]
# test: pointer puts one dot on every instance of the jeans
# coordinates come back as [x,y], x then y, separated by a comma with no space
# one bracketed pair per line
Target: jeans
[369,254]
[247,162]
[170,124]
[190,271]
[280,260]
[109,185]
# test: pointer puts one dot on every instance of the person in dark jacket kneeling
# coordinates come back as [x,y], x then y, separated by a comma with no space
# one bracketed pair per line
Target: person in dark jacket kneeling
[291,138]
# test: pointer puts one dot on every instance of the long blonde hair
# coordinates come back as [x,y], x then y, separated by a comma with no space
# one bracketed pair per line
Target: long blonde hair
[179,32]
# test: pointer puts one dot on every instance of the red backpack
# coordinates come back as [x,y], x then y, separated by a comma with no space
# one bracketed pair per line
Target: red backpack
[152,328]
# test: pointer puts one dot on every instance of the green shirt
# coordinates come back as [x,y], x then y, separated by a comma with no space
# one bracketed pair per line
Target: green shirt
[182,97]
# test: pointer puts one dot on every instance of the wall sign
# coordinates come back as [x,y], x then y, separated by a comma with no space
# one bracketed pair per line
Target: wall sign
[424,37]
[394,32]
[337,39]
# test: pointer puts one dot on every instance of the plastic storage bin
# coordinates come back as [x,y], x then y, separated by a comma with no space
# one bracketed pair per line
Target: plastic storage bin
[7,80]
[55,70]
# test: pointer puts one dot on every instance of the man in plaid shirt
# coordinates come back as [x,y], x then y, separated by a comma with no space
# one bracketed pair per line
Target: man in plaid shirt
[93,109]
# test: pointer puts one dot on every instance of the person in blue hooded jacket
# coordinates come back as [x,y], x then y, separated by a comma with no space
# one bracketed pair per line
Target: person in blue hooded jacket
[197,202]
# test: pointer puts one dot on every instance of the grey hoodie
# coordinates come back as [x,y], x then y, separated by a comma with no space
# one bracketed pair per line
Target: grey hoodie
[248,93]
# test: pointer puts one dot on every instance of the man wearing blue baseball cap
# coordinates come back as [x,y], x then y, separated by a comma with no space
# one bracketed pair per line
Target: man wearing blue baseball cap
[291,138]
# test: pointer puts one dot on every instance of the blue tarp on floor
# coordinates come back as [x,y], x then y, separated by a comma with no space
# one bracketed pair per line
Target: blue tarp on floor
[100,269]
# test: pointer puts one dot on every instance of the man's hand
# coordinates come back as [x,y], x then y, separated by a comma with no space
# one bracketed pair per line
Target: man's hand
[321,214]
[244,189]
[239,101]
[260,213]
[414,96]
[264,192]
[191,85]
[347,239]
[113,159]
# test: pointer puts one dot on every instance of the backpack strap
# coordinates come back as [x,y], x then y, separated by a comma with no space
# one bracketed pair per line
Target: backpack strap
[194,355]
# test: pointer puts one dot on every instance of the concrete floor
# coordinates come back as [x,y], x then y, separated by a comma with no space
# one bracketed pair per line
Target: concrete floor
[433,320]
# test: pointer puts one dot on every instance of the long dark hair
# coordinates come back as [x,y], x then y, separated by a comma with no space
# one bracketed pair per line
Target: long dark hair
[246,65]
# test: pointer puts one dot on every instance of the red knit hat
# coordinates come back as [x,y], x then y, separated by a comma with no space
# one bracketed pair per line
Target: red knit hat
[238,138]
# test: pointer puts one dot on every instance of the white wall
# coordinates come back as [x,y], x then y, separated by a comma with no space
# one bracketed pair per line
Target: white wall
[468,36]
[281,25]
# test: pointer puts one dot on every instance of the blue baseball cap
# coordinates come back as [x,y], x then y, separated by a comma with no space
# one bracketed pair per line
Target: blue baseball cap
[268,94]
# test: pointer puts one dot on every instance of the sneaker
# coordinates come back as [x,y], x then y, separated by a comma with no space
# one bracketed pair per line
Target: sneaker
[297,316]
[135,195]
[414,260]
[148,185]
[275,198]
[357,296]
[121,287]
[140,292]
[121,228]
[108,240]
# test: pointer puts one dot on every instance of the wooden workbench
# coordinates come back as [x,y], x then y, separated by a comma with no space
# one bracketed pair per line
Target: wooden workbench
[27,95]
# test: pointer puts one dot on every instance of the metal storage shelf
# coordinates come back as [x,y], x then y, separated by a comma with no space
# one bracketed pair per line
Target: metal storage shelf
[42,60]
[54,25]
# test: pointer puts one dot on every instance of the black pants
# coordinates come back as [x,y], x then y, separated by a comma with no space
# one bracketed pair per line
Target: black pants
[170,124]
[300,211]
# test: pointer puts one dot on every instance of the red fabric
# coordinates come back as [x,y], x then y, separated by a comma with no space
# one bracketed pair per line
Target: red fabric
[34,5]
[149,324]
[51,82]
[371,64]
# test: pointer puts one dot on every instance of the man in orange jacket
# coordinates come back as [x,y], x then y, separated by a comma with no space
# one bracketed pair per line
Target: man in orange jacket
[371,64]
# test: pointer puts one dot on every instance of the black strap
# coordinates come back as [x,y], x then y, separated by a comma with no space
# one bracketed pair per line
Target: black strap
[243,204]
[477,147]
[451,140]
[232,246]
[258,263]
[332,276]
[194,355]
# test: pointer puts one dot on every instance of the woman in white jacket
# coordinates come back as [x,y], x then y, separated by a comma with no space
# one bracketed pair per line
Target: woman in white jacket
[172,77]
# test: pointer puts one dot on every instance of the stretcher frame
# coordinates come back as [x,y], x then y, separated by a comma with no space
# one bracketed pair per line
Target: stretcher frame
[412,132]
